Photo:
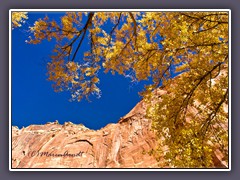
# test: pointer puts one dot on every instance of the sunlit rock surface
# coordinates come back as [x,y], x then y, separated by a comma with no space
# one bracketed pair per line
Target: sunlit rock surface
[121,145]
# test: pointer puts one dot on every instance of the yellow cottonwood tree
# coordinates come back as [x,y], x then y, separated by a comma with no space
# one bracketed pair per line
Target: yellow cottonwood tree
[192,116]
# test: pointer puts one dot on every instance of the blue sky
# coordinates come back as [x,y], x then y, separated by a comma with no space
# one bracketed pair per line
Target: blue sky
[35,102]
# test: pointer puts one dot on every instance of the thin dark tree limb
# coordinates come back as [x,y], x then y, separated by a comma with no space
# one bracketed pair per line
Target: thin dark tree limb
[89,21]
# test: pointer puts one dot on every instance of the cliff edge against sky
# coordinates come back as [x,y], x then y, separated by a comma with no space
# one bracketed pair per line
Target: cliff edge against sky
[122,145]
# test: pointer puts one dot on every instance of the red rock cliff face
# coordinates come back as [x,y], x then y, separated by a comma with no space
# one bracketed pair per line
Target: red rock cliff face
[120,145]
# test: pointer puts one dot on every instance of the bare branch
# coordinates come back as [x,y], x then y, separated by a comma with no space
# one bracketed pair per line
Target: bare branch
[89,21]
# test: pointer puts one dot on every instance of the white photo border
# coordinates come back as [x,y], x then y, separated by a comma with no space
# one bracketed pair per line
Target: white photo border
[114,169]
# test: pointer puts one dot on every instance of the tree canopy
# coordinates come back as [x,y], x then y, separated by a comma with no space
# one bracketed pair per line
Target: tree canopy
[192,117]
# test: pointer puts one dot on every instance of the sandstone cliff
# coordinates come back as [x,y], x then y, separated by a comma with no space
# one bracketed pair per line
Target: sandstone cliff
[121,145]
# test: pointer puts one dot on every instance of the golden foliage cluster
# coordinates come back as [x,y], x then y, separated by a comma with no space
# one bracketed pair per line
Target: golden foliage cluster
[18,18]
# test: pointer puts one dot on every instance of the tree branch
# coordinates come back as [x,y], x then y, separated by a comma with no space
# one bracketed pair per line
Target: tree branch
[89,21]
